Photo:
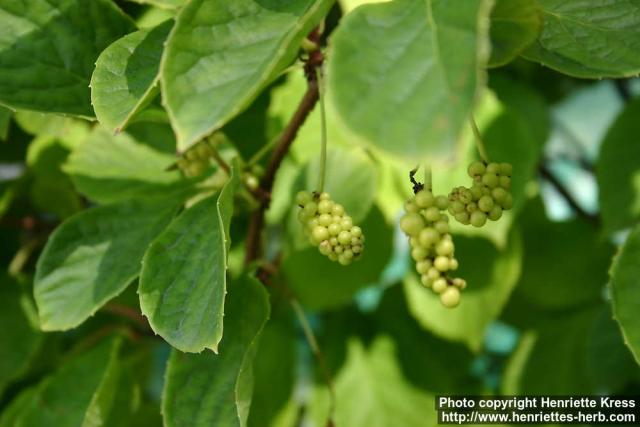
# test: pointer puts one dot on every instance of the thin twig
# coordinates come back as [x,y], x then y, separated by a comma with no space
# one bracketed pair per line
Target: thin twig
[566,195]
[308,102]
[220,161]
[428,181]
[323,131]
[417,186]
[479,142]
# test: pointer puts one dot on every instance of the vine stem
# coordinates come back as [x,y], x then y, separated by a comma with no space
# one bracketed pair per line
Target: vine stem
[479,142]
[323,130]
[428,184]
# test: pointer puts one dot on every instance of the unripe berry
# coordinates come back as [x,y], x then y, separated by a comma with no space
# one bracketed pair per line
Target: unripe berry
[325,220]
[356,249]
[320,233]
[495,213]
[453,264]
[424,199]
[424,279]
[334,229]
[441,227]
[418,253]
[506,169]
[445,248]
[343,260]
[499,194]
[346,223]
[456,207]
[338,249]
[442,203]
[337,209]
[423,266]
[478,219]
[344,237]
[493,168]
[462,218]
[325,247]
[476,192]
[409,206]
[348,254]
[325,206]
[311,208]
[432,214]
[475,169]
[428,236]
[505,182]
[441,263]
[324,196]
[508,202]
[411,223]
[439,285]
[433,273]
[490,180]
[450,297]
[356,231]
[485,203]
[472,207]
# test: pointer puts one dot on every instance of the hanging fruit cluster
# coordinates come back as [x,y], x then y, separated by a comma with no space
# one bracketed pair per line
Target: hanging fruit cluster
[329,227]
[427,226]
[196,160]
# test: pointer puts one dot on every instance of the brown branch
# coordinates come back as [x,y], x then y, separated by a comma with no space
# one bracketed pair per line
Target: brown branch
[566,195]
[308,102]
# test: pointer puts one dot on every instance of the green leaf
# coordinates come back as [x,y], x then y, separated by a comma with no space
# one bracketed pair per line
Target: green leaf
[19,339]
[222,53]
[350,180]
[165,4]
[491,275]
[337,284]
[393,81]
[93,256]
[49,48]
[126,76]
[210,389]
[184,273]
[515,24]
[618,171]
[79,393]
[565,263]
[5,120]
[551,359]
[110,169]
[589,39]
[10,413]
[274,371]
[625,289]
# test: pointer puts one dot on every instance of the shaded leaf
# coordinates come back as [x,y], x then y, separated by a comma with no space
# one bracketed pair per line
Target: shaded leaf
[392,82]
[184,273]
[5,119]
[93,256]
[589,38]
[126,75]
[625,291]
[110,169]
[515,24]
[49,48]
[618,171]
[205,84]
[210,389]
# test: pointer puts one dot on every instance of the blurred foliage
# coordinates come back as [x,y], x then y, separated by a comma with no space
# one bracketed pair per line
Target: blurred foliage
[109,238]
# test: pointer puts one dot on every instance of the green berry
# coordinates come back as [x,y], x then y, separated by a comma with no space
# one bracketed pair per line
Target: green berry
[507,203]
[433,273]
[462,218]
[457,207]
[472,207]
[356,231]
[445,247]
[476,168]
[324,196]
[411,223]
[338,209]
[495,213]
[459,283]
[476,191]
[409,206]
[333,241]
[346,223]
[450,297]
[424,279]
[478,219]
[505,182]
[348,254]
[320,233]
[344,238]
[441,263]
[356,249]
[499,194]
[344,260]
[338,249]
[333,256]
[428,236]
[325,220]
[334,229]
[441,227]
[423,266]
[453,264]
[424,199]
[485,203]
[325,206]
[490,180]
[432,214]
[325,247]
[493,168]
[311,208]
[442,203]
[439,285]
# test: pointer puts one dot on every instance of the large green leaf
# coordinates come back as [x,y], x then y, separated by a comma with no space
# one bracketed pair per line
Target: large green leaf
[19,339]
[589,38]
[221,53]
[337,284]
[210,389]
[184,274]
[108,168]
[93,256]
[394,80]
[618,171]
[48,49]
[515,24]
[491,275]
[79,393]
[565,263]
[165,4]
[126,75]
[625,291]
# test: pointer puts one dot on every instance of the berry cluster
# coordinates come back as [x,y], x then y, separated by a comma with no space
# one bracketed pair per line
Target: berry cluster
[329,227]
[432,246]
[487,198]
[196,160]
